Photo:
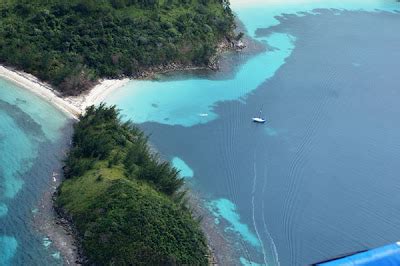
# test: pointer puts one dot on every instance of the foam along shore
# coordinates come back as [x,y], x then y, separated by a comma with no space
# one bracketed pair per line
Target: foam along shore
[72,106]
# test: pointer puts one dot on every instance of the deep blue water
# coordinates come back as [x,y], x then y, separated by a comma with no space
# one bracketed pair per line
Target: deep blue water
[320,179]
[33,137]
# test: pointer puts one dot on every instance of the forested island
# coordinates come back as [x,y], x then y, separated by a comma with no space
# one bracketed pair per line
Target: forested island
[127,206]
[71,44]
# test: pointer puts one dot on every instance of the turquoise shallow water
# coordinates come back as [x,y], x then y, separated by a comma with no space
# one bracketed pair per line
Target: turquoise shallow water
[12,139]
[224,208]
[296,190]
[185,170]
[190,101]
[264,14]
[32,138]
[283,194]
[8,248]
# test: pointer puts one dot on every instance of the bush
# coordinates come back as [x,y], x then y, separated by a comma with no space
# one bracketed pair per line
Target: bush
[128,206]
[71,44]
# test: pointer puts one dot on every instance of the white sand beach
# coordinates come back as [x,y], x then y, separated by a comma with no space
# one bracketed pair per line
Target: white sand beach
[95,95]
[73,106]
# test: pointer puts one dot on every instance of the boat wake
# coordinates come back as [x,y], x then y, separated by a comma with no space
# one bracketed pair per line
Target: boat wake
[273,247]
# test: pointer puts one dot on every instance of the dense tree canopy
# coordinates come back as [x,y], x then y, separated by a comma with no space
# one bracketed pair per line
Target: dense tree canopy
[127,204]
[73,43]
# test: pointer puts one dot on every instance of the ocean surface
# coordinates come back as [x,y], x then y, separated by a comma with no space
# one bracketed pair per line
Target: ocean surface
[320,178]
[33,136]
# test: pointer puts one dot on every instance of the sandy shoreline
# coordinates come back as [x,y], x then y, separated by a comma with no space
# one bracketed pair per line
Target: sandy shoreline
[47,220]
[97,94]
[72,106]
[60,230]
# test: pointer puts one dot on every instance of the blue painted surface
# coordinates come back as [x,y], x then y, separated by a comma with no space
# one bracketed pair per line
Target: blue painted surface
[383,256]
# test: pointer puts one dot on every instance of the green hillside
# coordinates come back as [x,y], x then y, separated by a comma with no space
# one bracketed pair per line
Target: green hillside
[71,44]
[125,203]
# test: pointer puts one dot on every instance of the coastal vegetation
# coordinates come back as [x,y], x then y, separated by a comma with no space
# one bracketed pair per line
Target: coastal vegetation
[127,205]
[71,44]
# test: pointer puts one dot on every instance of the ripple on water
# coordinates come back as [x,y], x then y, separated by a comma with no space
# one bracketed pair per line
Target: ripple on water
[181,102]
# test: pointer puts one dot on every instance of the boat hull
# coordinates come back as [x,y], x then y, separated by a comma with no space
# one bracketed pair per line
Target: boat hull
[259,120]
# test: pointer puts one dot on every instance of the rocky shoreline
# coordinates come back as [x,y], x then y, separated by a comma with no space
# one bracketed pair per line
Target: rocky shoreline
[55,228]
[58,226]
[214,64]
[221,251]
[65,221]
